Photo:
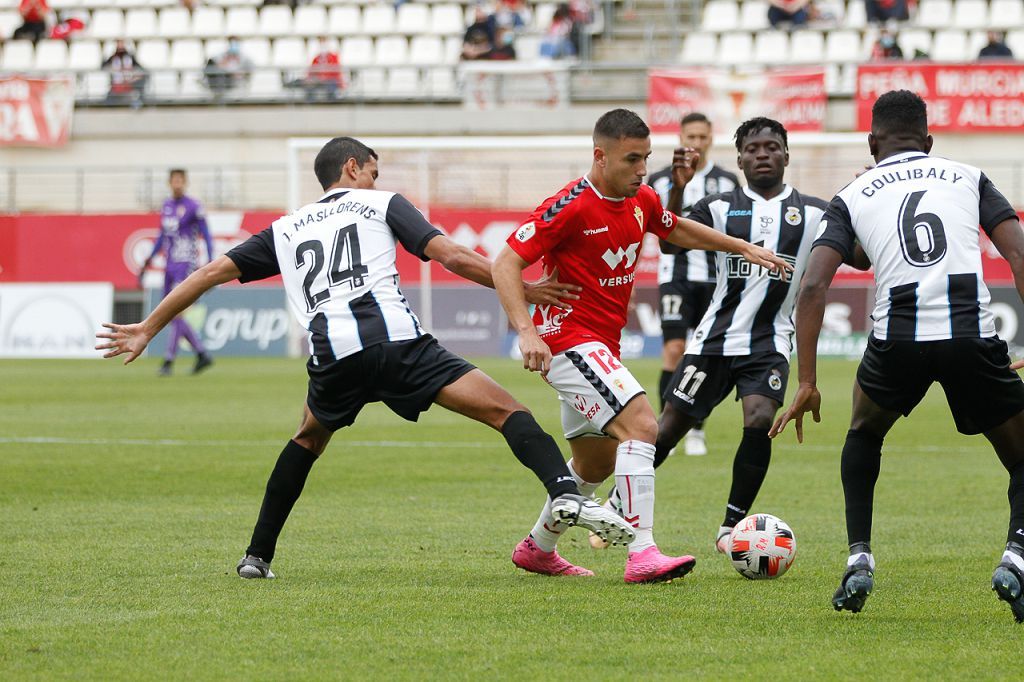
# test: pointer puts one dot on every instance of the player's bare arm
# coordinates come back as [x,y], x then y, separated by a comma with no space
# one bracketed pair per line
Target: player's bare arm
[469,264]
[860,259]
[822,265]
[1008,238]
[693,235]
[508,278]
[132,339]
[684,167]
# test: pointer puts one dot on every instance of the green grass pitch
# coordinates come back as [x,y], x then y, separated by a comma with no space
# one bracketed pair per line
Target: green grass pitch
[126,499]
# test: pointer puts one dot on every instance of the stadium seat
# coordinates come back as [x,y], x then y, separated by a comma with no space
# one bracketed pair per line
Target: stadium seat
[344,21]
[379,20]
[968,14]
[140,23]
[214,48]
[208,22]
[856,16]
[51,55]
[85,55]
[266,84]
[843,46]
[1007,14]
[440,82]
[404,81]
[754,15]
[94,85]
[187,53]
[720,15]
[275,20]
[426,50]
[975,41]
[528,47]
[1015,41]
[175,22]
[542,16]
[9,20]
[446,20]
[771,47]
[241,21]
[950,46]
[192,86]
[935,14]
[153,54]
[106,24]
[257,50]
[452,50]
[164,85]
[913,40]
[699,48]
[357,51]
[371,82]
[391,51]
[735,49]
[412,18]
[310,20]
[17,56]
[289,53]
[807,47]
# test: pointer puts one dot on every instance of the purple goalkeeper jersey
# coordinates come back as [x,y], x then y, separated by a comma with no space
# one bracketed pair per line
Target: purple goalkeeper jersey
[182,225]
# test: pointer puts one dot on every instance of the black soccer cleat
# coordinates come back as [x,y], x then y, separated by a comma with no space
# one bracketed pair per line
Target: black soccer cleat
[202,362]
[165,369]
[856,586]
[1008,584]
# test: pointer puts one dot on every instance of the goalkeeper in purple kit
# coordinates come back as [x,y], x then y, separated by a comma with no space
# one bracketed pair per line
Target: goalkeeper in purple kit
[182,225]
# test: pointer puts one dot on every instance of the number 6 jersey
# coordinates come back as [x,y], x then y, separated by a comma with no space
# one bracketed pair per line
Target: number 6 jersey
[337,260]
[917,218]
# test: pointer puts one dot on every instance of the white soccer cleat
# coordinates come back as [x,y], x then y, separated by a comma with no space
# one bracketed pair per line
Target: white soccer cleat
[252,567]
[695,444]
[576,510]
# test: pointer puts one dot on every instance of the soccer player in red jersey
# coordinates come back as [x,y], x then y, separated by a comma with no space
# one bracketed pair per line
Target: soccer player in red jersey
[592,231]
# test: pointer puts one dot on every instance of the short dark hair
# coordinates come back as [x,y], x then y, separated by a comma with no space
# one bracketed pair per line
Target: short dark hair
[694,117]
[620,123]
[177,171]
[755,125]
[899,111]
[335,154]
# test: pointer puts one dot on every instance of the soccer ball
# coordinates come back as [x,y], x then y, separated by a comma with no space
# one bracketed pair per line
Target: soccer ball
[762,547]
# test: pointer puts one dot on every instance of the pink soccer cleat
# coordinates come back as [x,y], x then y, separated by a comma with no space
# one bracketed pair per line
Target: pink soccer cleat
[529,557]
[651,566]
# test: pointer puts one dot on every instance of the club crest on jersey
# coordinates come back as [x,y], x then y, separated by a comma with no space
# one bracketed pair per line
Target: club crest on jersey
[639,215]
[775,381]
[614,258]
[793,215]
[525,232]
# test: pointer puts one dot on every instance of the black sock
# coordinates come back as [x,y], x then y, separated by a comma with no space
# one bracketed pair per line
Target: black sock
[539,453]
[661,451]
[663,381]
[862,459]
[699,426]
[283,488]
[1016,495]
[748,472]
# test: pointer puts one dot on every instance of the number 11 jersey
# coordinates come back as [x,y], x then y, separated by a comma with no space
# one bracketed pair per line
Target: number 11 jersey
[917,218]
[337,260]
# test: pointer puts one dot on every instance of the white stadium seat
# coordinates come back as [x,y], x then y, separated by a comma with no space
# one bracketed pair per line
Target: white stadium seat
[452,50]
[106,24]
[856,16]
[950,46]
[391,51]
[935,14]
[85,55]
[426,50]
[721,15]
[440,82]
[528,47]
[51,55]
[754,15]
[412,18]
[266,84]
[735,49]
[95,84]
[17,56]
[543,15]
[164,84]
[153,54]
[404,81]
[1007,14]
[241,21]
[912,40]
[310,20]
[771,47]
[275,20]
[371,82]
[140,23]
[187,53]
[968,14]
[357,51]
[289,53]
[379,20]
[699,48]
[208,22]
[446,20]
[843,46]
[257,50]
[975,41]
[1015,41]
[9,20]
[807,47]
[214,48]
[344,21]
[175,22]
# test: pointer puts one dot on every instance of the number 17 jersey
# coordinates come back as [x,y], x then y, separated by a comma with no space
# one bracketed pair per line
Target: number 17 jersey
[337,260]
[917,218]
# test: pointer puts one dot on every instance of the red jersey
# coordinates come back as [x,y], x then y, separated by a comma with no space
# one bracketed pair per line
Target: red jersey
[594,242]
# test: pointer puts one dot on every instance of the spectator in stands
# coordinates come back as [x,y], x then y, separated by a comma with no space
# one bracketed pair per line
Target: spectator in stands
[324,78]
[478,41]
[512,15]
[881,11]
[229,70]
[791,12]
[127,76]
[33,17]
[70,23]
[824,13]
[886,47]
[557,42]
[190,5]
[582,17]
[996,48]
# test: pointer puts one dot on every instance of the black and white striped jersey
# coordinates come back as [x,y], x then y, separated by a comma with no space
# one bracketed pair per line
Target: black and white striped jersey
[690,265]
[751,310]
[337,259]
[917,218]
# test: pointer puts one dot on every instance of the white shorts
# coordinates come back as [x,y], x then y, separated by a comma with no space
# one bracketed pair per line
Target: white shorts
[593,387]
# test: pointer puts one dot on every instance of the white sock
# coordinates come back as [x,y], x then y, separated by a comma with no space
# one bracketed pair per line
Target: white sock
[1015,559]
[634,480]
[547,531]
[853,558]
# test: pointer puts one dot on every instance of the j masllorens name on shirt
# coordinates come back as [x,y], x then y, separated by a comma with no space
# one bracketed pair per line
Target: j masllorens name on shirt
[360,209]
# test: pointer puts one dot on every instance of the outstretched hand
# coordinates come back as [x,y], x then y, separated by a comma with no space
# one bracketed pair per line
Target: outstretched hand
[123,338]
[758,255]
[684,165]
[549,291]
[807,399]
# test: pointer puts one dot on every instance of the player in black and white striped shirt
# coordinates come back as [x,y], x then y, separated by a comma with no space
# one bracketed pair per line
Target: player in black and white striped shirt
[917,218]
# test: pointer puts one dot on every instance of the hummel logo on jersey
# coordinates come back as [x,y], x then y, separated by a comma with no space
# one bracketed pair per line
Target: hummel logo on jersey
[613,258]
[595,230]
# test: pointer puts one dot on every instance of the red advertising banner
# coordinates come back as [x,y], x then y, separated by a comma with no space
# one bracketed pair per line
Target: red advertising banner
[795,97]
[35,112]
[982,97]
[111,248]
